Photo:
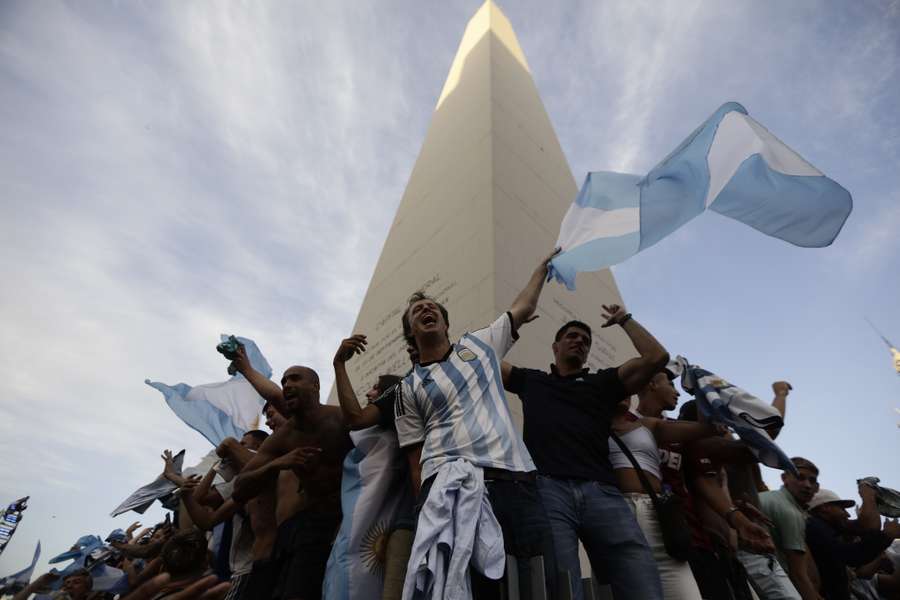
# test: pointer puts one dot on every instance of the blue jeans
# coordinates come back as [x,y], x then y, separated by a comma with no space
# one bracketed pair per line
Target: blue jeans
[596,513]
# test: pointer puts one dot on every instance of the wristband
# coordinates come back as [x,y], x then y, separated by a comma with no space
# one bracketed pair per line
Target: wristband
[625,319]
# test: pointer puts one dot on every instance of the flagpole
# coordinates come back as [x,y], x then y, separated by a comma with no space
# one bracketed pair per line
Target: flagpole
[878,333]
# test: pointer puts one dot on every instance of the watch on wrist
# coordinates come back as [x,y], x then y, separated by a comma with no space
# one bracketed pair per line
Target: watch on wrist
[625,319]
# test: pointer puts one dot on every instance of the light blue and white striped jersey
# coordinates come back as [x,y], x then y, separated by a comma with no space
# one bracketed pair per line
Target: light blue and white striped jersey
[456,407]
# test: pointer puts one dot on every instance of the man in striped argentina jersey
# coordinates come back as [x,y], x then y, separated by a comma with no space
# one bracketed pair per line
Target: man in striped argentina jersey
[453,406]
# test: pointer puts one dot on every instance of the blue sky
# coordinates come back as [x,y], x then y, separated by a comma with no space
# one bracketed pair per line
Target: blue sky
[173,171]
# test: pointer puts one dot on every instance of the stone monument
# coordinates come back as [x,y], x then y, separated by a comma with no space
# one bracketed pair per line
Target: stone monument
[483,204]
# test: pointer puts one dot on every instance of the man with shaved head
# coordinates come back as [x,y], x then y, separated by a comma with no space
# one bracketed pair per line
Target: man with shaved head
[311,447]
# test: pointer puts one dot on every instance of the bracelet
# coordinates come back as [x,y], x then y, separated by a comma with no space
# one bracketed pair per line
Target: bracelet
[625,319]
[728,514]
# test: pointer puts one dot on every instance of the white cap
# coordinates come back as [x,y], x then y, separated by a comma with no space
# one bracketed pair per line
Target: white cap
[824,496]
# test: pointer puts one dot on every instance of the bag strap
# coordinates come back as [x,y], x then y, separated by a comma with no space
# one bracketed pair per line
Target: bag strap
[640,472]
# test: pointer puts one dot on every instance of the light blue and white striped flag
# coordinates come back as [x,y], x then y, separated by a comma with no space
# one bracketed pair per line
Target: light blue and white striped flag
[748,416]
[219,410]
[731,164]
[372,487]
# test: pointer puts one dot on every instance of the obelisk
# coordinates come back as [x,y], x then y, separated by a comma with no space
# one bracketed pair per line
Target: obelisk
[483,204]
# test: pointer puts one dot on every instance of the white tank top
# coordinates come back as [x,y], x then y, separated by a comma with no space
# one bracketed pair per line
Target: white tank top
[642,445]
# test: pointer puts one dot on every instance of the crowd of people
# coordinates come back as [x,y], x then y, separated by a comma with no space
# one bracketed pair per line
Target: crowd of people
[665,508]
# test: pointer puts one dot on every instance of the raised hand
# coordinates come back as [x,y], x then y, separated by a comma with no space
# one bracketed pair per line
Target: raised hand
[614,315]
[892,529]
[355,344]
[131,529]
[782,388]
[241,364]
[544,265]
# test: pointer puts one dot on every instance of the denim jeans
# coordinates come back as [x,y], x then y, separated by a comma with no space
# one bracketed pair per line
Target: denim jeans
[526,534]
[767,577]
[597,514]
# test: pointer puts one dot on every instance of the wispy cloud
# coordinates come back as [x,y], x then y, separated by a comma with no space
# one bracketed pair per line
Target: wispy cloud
[173,171]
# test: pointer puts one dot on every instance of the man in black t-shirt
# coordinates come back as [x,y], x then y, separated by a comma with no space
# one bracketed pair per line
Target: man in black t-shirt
[567,421]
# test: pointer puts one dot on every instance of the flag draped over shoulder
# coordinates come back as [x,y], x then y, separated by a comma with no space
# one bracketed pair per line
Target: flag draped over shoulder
[219,410]
[15,583]
[730,164]
[372,487]
[749,417]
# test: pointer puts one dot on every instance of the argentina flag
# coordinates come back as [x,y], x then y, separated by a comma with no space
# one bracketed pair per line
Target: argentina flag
[219,410]
[730,164]
[748,416]
[372,488]
[15,583]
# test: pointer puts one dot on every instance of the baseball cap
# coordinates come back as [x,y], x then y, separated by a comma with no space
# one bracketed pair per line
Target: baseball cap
[824,496]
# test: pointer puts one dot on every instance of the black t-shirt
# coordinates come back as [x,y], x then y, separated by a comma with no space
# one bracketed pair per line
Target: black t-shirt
[567,420]
[385,403]
[833,555]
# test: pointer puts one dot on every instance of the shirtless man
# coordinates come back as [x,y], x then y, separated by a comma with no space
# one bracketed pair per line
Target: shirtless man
[253,522]
[311,445]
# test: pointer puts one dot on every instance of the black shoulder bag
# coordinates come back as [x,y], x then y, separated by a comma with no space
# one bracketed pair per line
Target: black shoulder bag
[669,511]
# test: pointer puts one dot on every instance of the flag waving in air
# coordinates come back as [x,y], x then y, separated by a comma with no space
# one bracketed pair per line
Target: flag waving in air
[219,410]
[730,164]
[748,416]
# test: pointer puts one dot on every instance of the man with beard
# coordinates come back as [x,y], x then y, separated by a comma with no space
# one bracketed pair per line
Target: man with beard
[311,445]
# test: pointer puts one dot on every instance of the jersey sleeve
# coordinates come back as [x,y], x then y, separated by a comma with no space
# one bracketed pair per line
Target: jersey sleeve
[499,335]
[407,418]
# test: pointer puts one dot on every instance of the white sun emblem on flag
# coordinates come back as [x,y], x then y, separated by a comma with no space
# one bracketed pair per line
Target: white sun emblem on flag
[373,548]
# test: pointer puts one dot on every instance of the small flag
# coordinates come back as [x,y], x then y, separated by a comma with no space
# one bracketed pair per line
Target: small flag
[731,164]
[141,499]
[219,410]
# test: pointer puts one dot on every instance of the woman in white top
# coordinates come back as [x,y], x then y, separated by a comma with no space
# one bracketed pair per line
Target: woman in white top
[642,435]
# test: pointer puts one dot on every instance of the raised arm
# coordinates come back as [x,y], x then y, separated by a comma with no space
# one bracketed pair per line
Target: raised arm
[39,585]
[868,518]
[203,517]
[204,493]
[265,387]
[231,450]
[355,416]
[781,390]
[637,372]
[526,302]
